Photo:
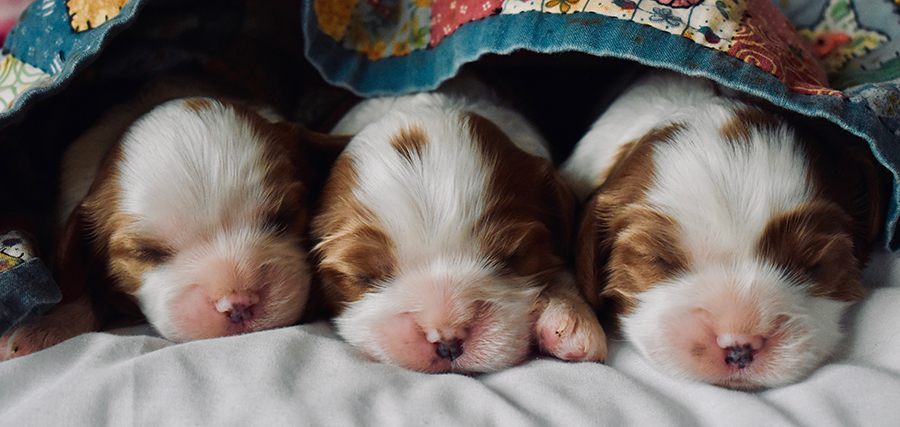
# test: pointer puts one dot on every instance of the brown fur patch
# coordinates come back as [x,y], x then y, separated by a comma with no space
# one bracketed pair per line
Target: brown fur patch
[528,224]
[197,104]
[844,177]
[603,219]
[843,170]
[645,252]
[131,255]
[102,217]
[747,120]
[286,176]
[352,249]
[83,260]
[410,142]
[813,244]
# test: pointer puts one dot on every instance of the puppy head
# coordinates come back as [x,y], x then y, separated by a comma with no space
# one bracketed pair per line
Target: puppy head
[199,213]
[738,285]
[435,236]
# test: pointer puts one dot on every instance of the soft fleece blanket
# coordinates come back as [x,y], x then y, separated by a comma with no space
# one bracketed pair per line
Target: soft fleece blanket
[306,376]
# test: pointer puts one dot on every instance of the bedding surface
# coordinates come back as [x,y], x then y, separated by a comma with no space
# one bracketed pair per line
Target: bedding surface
[306,375]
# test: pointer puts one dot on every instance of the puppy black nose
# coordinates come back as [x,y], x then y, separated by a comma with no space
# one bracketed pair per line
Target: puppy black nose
[238,307]
[240,313]
[740,356]
[449,350]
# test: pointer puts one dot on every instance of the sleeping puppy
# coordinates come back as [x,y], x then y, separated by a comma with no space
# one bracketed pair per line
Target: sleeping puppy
[195,209]
[726,244]
[442,236]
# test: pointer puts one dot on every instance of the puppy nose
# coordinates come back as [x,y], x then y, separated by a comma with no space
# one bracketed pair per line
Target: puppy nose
[740,349]
[240,313]
[739,356]
[450,350]
[238,307]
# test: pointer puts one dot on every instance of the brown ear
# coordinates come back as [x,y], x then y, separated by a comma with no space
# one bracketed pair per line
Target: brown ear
[867,184]
[320,151]
[82,271]
[812,241]
[563,205]
[74,259]
[592,249]
[851,176]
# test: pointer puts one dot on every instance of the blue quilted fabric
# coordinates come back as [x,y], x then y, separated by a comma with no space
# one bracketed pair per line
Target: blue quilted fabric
[43,38]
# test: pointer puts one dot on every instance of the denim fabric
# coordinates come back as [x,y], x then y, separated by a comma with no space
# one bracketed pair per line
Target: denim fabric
[27,291]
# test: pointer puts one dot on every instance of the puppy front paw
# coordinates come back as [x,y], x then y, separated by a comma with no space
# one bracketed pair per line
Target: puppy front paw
[569,330]
[21,341]
[62,322]
[8,348]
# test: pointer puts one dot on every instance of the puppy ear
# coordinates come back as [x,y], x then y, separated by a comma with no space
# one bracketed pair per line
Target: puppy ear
[74,259]
[866,184]
[77,269]
[601,221]
[317,152]
[592,248]
[563,205]
[82,269]
[850,175]
[812,241]
[324,145]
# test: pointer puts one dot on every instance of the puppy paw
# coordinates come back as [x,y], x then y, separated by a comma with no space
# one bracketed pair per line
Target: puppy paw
[569,330]
[59,324]
[25,340]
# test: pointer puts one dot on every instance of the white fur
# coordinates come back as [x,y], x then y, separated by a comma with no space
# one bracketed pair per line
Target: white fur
[721,198]
[194,181]
[459,281]
[463,94]
[814,325]
[429,205]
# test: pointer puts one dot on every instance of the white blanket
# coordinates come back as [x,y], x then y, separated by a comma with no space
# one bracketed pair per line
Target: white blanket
[305,375]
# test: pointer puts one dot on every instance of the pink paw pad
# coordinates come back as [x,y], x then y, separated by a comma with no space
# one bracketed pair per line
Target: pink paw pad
[23,341]
[571,332]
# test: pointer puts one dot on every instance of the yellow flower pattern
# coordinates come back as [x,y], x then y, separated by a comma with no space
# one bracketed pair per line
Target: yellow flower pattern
[87,14]
[564,5]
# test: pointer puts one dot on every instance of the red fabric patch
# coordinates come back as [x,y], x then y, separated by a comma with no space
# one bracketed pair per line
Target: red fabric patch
[448,15]
[768,40]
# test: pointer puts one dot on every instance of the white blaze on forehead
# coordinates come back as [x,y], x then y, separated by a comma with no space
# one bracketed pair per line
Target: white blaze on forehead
[186,168]
[721,194]
[425,202]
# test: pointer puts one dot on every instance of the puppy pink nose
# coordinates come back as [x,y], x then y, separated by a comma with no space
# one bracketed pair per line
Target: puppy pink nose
[238,307]
[740,349]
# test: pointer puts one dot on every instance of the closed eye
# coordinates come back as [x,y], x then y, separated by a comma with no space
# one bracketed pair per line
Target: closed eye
[152,254]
